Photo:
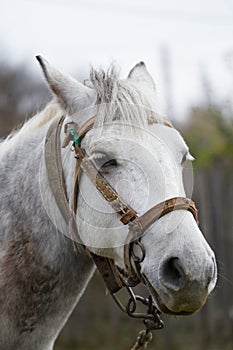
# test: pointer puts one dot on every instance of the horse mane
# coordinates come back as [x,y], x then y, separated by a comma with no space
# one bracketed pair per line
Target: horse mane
[30,126]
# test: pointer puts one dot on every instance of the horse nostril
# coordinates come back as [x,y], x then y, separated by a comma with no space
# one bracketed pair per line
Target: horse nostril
[210,272]
[172,274]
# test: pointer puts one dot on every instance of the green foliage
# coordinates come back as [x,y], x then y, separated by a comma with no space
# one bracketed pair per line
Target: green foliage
[209,136]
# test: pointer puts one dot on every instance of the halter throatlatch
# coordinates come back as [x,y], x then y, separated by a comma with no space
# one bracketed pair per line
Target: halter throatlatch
[114,278]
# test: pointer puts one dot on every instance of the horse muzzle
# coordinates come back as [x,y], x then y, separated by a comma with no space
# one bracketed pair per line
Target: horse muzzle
[177,291]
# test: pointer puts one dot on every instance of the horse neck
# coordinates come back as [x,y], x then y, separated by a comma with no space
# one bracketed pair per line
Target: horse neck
[25,217]
[29,235]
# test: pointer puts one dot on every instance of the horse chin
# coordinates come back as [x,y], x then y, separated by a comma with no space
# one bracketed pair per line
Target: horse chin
[163,308]
[161,305]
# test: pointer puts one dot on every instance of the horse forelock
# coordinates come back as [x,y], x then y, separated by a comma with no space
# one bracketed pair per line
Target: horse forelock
[122,100]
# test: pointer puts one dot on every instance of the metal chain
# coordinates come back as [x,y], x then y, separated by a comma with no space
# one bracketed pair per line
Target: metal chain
[143,340]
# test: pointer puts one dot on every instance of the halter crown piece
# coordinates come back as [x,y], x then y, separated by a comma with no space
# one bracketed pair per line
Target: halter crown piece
[114,278]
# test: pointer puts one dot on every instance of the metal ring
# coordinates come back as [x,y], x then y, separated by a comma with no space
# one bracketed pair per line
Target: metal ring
[131,306]
[136,258]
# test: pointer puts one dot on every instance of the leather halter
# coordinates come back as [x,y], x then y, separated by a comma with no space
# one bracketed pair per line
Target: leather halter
[128,216]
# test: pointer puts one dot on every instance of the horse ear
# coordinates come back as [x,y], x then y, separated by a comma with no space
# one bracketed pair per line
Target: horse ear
[140,74]
[72,95]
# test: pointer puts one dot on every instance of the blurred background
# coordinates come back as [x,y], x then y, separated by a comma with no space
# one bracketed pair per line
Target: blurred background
[188,48]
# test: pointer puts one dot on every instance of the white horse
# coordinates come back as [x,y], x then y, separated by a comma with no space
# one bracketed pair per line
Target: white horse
[42,276]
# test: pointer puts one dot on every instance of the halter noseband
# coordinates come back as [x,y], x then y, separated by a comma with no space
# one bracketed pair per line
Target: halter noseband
[113,277]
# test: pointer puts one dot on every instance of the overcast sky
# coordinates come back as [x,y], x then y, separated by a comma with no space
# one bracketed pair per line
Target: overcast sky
[198,35]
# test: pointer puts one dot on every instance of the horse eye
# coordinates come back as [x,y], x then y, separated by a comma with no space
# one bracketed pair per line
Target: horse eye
[187,156]
[184,159]
[109,163]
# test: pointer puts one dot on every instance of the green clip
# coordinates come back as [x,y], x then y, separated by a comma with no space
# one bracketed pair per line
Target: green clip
[74,134]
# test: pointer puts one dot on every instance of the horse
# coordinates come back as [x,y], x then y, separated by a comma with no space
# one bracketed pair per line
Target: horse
[139,157]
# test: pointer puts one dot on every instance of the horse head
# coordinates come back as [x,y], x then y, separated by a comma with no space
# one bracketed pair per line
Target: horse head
[142,157]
